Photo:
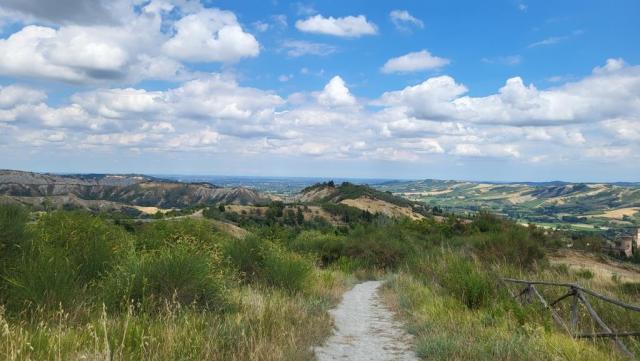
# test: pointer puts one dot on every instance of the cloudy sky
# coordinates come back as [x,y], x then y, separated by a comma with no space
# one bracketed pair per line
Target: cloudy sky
[491,90]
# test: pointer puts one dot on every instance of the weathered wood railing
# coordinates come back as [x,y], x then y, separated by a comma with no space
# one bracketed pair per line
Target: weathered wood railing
[577,295]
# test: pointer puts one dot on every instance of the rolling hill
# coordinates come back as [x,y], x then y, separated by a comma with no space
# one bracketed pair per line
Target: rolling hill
[587,206]
[361,197]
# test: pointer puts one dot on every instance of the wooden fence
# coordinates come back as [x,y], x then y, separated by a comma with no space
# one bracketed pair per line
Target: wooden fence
[576,295]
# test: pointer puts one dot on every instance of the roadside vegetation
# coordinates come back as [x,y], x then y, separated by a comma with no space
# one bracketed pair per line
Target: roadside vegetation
[75,285]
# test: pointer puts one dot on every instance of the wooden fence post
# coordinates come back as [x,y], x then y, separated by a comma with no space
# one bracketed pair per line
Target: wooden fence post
[574,312]
[604,326]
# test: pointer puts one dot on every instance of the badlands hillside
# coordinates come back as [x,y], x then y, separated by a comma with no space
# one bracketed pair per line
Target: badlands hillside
[109,191]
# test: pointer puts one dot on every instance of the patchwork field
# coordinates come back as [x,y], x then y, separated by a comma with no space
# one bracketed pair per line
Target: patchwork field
[593,207]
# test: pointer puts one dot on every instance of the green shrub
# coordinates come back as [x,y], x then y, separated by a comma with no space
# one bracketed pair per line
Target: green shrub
[512,244]
[91,244]
[385,244]
[465,281]
[630,288]
[328,248]
[349,266]
[285,269]
[260,260]
[487,222]
[246,255]
[46,278]
[156,235]
[585,273]
[67,255]
[13,231]
[381,247]
[347,214]
[561,269]
[170,274]
[500,240]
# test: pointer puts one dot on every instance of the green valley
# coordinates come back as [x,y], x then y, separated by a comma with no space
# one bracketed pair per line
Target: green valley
[595,207]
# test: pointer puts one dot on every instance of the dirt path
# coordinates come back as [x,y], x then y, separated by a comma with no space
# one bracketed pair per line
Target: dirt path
[365,329]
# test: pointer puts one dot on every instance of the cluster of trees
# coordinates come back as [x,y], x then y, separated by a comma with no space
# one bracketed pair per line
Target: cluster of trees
[274,213]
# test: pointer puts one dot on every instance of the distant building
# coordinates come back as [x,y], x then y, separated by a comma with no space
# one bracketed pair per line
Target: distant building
[624,246]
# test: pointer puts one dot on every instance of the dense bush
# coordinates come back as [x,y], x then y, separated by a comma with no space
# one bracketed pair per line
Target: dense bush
[261,260]
[68,253]
[464,280]
[500,240]
[176,274]
[247,256]
[378,246]
[585,274]
[285,269]
[160,234]
[458,274]
[92,244]
[631,288]
[45,278]
[383,244]
[327,248]
[13,231]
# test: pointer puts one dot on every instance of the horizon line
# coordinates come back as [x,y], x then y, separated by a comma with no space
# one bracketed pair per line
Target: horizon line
[155,174]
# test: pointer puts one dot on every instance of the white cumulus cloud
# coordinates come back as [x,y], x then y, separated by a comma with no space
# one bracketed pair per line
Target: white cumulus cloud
[148,45]
[612,91]
[402,19]
[349,26]
[336,93]
[211,35]
[412,62]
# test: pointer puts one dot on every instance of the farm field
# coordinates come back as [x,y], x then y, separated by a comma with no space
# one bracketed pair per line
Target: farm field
[589,207]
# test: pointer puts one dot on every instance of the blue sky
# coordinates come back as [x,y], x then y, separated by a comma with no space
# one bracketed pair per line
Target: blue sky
[497,90]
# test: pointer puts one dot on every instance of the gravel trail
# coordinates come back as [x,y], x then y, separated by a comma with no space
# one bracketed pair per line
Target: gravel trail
[365,330]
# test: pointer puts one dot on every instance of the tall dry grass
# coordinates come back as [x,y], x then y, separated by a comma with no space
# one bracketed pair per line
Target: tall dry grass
[446,329]
[267,325]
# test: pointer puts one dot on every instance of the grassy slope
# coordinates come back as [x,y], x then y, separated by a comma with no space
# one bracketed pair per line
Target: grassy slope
[446,330]
[431,294]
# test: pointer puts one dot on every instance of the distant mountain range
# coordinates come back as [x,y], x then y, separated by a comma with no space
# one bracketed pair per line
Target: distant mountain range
[587,206]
